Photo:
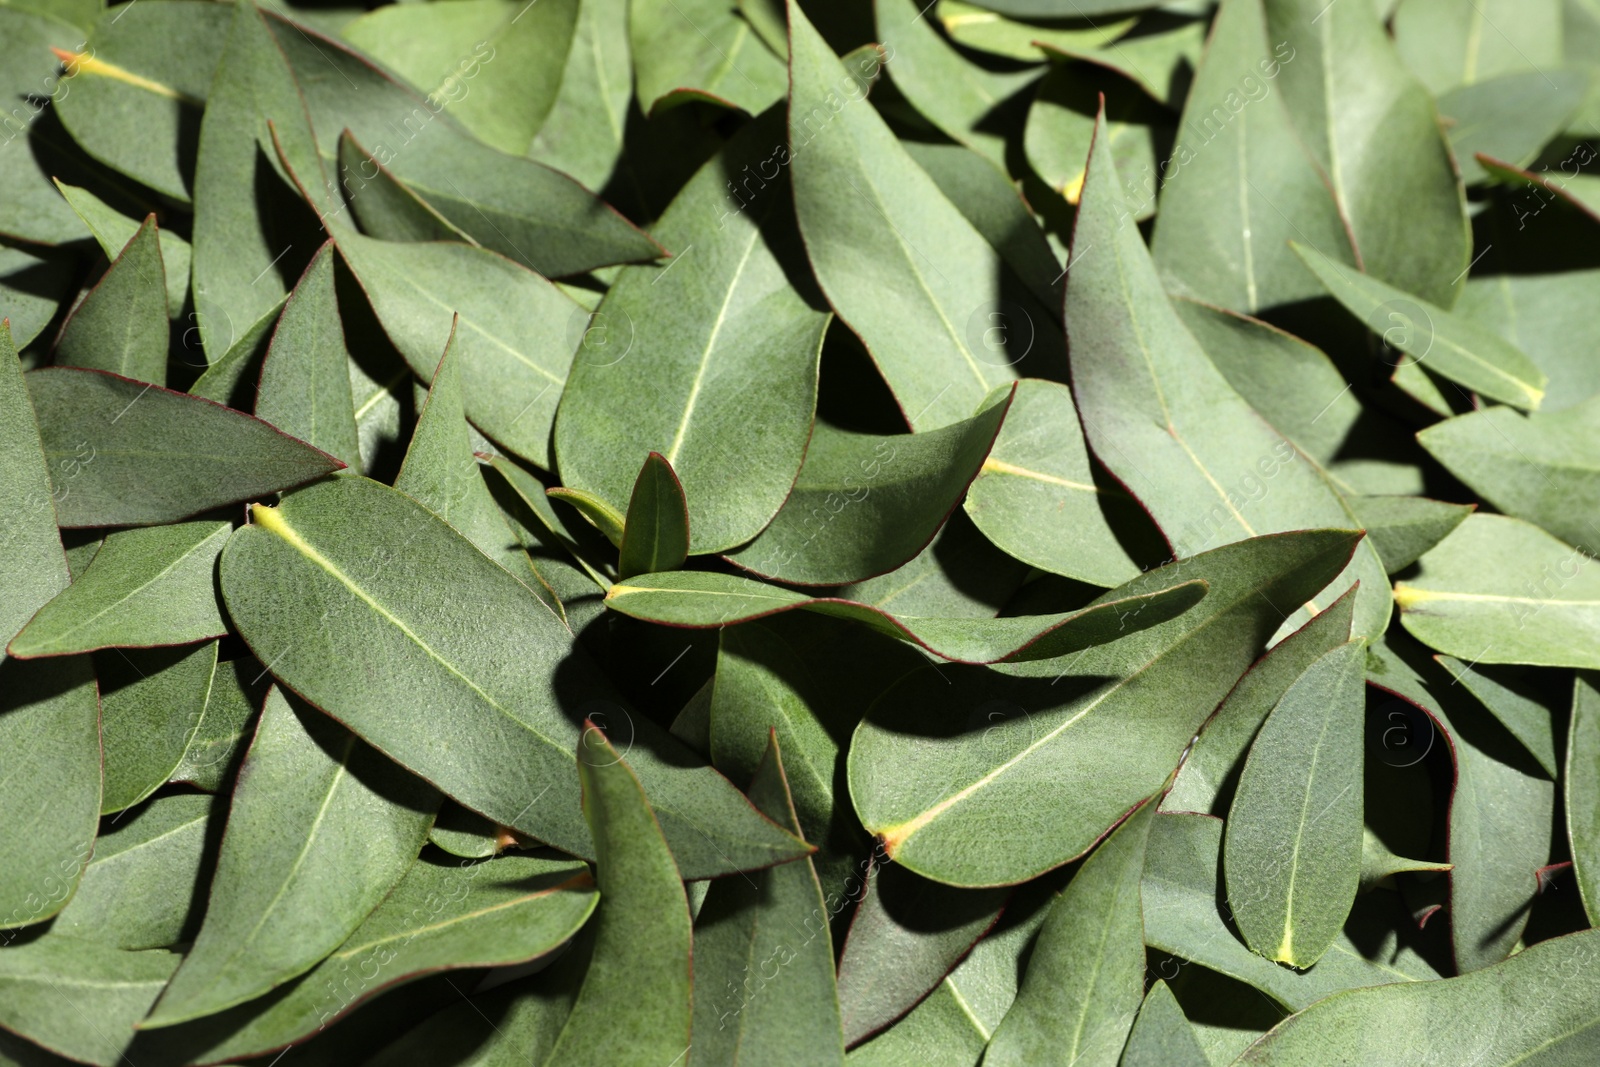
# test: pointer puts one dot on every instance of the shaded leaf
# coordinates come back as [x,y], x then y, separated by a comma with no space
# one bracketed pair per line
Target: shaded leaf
[320,829]
[655,534]
[107,985]
[151,705]
[775,920]
[948,758]
[122,453]
[1161,1035]
[702,599]
[1099,977]
[1036,497]
[305,379]
[711,361]
[863,505]
[1581,796]
[687,49]
[113,230]
[1402,528]
[1167,424]
[121,325]
[642,935]
[146,587]
[306,583]
[924,312]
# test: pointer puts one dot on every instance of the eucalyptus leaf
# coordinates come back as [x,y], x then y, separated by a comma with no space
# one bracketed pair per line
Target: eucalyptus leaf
[1292,850]
[925,314]
[1498,590]
[111,987]
[1161,1035]
[1581,792]
[113,230]
[313,801]
[700,599]
[1101,976]
[863,505]
[308,581]
[1167,424]
[686,49]
[643,940]
[122,453]
[305,380]
[121,324]
[145,587]
[945,752]
[774,920]
[729,325]
[655,533]
[151,706]
[1544,989]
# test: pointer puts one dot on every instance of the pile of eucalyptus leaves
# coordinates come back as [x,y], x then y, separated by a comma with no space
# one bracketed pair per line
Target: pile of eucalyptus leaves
[638,533]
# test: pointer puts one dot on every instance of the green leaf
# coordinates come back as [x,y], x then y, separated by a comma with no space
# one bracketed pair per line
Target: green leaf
[1210,772]
[31,210]
[137,891]
[1374,132]
[1161,1035]
[441,473]
[960,574]
[700,49]
[1516,703]
[1509,117]
[1498,590]
[599,514]
[1500,811]
[711,361]
[125,454]
[987,31]
[35,569]
[464,833]
[1167,424]
[147,71]
[320,830]
[1459,350]
[1538,1006]
[1183,915]
[905,936]
[900,264]
[985,195]
[516,332]
[525,211]
[107,991]
[1402,528]
[1239,185]
[114,230]
[387,208]
[1089,958]
[1378,863]
[1061,128]
[967,102]
[1036,496]
[1449,45]
[1292,852]
[863,505]
[704,599]
[945,753]
[307,583]
[145,587]
[121,325]
[220,382]
[634,1007]
[224,731]
[1540,314]
[34,287]
[1581,792]
[496,64]
[305,379]
[772,920]
[440,916]
[655,535]
[582,135]
[49,711]
[240,269]
[151,704]
[1544,467]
